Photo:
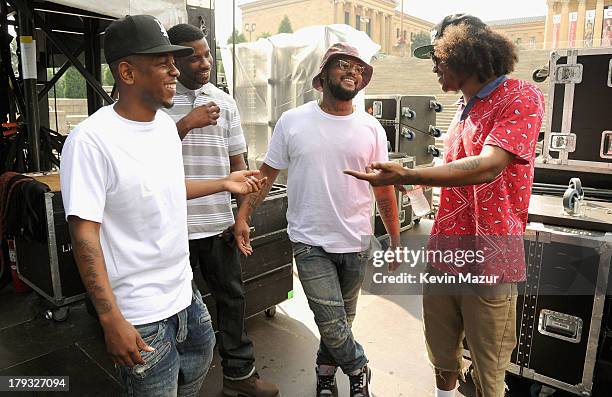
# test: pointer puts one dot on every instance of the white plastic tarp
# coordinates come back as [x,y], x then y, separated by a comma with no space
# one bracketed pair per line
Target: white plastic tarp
[274,75]
[169,12]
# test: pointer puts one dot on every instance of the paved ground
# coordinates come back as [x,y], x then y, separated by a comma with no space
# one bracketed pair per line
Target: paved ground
[389,327]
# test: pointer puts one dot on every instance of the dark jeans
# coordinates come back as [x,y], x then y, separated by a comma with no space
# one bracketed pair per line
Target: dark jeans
[219,263]
[183,344]
[331,283]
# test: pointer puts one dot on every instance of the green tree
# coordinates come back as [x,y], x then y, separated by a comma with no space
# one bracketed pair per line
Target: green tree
[107,76]
[285,25]
[60,85]
[239,38]
[264,35]
[419,39]
[75,84]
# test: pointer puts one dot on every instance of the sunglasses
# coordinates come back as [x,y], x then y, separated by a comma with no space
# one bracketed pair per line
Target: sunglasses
[345,66]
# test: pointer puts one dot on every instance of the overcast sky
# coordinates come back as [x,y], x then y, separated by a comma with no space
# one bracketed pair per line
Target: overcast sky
[429,10]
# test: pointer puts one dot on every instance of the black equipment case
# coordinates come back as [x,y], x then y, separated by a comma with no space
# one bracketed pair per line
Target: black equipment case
[561,338]
[51,271]
[410,124]
[578,136]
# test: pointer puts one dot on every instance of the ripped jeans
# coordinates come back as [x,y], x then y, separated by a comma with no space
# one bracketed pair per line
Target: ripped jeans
[183,346]
[331,283]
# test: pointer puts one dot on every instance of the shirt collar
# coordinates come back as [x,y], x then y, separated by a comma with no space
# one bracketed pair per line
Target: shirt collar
[489,88]
[483,93]
[205,89]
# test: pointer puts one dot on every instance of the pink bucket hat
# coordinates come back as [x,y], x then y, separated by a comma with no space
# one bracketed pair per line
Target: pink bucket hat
[346,50]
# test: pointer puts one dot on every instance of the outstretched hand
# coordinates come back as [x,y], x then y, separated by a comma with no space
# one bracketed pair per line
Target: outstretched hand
[244,182]
[381,174]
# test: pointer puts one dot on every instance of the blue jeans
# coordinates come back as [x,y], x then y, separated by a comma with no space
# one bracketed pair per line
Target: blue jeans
[331,283]
[183,346]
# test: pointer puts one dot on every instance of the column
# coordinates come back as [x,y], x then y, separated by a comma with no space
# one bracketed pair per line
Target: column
[365,13]
[382,38]
[352,8]
[580,23]
[375,23]
[564,28]
[599,10]
[549,23]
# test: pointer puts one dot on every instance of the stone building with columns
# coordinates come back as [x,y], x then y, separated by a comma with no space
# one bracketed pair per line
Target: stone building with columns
[527,33]
[578,23]
[378,18]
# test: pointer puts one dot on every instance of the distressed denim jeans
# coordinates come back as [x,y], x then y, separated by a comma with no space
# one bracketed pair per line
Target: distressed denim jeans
[331,283]
[183,346]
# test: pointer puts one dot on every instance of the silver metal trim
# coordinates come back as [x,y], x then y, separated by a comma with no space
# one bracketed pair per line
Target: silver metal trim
[541,329]
[610,74]
[568,103]
[52,244]
[574,165]
[606,134]
[554,57]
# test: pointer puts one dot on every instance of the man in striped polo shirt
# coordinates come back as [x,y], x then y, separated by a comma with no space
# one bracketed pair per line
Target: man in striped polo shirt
[213,146]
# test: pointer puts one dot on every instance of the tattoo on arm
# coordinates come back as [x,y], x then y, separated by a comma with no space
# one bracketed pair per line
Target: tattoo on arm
[385,208]
[89,255]
[467,164]
[254,199]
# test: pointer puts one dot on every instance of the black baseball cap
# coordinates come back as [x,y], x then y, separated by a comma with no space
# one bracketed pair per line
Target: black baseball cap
[138,34]
[425,51]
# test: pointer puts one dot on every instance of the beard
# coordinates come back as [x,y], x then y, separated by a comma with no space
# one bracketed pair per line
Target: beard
[340,93]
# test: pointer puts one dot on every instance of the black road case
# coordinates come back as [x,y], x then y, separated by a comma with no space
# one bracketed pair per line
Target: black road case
[49,268]
[560,333]
[410,124]
[578,136]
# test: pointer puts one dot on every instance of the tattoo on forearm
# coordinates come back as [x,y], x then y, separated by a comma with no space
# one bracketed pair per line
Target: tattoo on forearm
[385,208]
[88,254]
[467,164]
[254,199]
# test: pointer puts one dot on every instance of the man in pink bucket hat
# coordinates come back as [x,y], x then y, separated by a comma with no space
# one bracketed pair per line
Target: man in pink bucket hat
[329,214]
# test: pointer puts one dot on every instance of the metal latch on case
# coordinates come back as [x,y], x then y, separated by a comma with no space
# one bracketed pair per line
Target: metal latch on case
[567,74]
[560,142]
[560,326]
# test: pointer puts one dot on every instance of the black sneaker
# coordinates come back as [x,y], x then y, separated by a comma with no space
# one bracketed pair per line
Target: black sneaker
[360,383]
[326,385]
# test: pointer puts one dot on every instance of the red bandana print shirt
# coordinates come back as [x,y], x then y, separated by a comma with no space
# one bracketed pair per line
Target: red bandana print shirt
[491,217]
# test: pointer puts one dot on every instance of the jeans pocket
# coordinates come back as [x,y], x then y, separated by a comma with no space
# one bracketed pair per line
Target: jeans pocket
[153,335]
[300,248]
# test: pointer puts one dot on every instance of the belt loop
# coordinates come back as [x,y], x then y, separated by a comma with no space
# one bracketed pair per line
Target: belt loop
[181,335]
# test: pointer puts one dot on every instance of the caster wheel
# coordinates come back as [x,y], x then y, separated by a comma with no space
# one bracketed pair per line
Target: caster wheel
[270,312]
[538,390]
[59,314]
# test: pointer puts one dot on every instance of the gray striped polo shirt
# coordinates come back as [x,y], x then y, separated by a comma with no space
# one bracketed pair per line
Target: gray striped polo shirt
[206,153]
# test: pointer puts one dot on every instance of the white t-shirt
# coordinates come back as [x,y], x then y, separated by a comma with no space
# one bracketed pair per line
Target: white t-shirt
[326,207]
[128,176]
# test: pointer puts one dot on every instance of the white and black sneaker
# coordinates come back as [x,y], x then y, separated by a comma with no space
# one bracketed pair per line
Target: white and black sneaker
[360,383]
[326,383]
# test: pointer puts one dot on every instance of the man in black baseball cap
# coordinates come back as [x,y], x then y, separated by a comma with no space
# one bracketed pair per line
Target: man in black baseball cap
[125,199]
[138,34]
